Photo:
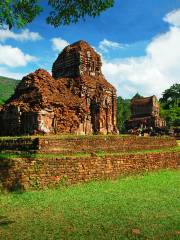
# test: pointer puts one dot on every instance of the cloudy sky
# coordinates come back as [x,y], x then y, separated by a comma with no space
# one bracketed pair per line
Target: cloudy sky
[139,42]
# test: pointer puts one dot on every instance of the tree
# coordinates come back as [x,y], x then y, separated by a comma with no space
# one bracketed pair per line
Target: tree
[170,105]
[18,13]
[123,113]
[171,96]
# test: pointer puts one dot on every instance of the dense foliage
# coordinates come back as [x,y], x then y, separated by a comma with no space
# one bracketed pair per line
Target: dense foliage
[18,13]
[66,12]
[170,105]
[123,113]
[7,87]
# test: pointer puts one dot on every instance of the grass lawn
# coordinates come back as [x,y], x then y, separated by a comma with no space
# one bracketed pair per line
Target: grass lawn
[72,136]
[11,155]
[139,207]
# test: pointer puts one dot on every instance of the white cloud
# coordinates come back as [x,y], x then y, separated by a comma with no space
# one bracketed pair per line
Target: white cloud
[6,73]
[14,57]
[58,44]
[173,18]
[154,72]
[107,45]
[25,35]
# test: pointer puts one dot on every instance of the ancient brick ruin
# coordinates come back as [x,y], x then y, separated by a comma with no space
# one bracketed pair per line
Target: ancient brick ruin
[57,160]
[145,113]
[75,99]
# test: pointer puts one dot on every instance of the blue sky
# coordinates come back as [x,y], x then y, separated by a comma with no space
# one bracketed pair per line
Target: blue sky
[137,39]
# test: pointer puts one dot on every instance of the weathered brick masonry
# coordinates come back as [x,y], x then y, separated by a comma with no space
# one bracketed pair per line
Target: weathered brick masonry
[41,172]
[87,144]
[76,99]
[19,144]
[30,173]
[107,144]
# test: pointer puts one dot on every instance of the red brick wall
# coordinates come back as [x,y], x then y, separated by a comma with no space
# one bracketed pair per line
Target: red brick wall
[105,143]
[40,173]
[88,144]
[19,144]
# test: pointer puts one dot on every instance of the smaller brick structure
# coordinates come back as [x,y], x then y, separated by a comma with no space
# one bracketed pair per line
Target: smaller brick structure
[145,113]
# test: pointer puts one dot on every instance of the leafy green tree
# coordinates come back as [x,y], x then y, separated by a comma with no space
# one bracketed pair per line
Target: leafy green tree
[66,12]
[172,116]
[170,105]
[171,97]
[18,13]
[123,113]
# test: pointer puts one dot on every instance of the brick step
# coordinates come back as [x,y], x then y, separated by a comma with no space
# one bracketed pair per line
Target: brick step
[98,143]
[104,149]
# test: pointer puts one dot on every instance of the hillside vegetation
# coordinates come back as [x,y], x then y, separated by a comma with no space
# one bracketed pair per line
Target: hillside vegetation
[7,87]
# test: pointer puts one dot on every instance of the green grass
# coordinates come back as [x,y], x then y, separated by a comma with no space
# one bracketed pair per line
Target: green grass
[73,136]
[24,154]
[139,207]
[7,87]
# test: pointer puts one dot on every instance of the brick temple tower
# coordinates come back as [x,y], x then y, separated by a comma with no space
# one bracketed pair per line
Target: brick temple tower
[75,99]
[145,113]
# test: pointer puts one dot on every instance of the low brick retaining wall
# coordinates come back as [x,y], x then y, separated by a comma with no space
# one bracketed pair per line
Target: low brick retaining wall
[39,173]
[103,143]
[88,143]
[19,144]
